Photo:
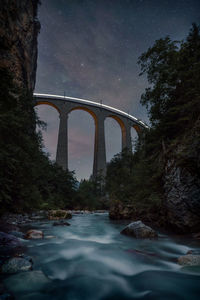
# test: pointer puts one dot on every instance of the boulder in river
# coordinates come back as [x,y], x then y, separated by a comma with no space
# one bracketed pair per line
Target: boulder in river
[59,214]
[139,230]
[195,252]
[61,223]
[16,264]
[10,245]
[34,234]
[189,260]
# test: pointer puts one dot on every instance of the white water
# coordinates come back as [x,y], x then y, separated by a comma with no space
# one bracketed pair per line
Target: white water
[91,260]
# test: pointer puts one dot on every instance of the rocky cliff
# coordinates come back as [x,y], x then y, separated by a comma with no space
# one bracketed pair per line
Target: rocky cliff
[19,28]
[182,182]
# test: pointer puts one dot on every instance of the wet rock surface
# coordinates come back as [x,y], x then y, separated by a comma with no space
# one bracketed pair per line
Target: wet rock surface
[59,214]
[16,264]
[10,245]
[195,252]
[61,223]
[189,260]
[34,234]
[139,230]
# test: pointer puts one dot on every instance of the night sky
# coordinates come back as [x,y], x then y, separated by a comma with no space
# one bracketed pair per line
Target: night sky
[89,49]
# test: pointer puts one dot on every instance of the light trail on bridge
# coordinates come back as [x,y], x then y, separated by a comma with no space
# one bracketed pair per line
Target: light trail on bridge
[92,103]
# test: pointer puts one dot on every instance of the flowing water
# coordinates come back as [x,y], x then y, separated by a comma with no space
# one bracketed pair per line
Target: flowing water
[91,260]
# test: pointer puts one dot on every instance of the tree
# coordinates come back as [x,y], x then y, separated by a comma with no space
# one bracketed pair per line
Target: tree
[173,71]
[28,180]
[173,103]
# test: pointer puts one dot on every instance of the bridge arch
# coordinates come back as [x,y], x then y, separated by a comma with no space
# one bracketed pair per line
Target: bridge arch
[113,136]
[99,112]
[81,141]
[119,121]
[137,128]
[51,116]
[48,103]
[94,116]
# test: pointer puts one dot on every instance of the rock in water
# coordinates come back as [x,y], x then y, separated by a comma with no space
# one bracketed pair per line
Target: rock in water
[194,252]
[10,245]
[59,214]
[189,260]
[61,223]
[34,234]
[26,282]
[139,230]
[16,264]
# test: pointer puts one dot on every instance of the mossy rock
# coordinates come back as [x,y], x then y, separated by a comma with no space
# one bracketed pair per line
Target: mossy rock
[59,214]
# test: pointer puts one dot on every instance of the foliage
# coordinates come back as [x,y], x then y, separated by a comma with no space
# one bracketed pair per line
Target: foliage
[173,71]
[173,104]
[91,194]
[28,180]
[134,180]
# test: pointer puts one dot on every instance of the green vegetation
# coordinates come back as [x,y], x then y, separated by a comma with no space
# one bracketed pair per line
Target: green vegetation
[173,104]
[91,194]
[28,180]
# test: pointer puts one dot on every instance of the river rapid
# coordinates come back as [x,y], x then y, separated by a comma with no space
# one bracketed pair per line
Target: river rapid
[91,260]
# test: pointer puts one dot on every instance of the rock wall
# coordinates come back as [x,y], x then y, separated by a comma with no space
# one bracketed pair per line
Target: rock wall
[182,191]
[19,28]
[182,183]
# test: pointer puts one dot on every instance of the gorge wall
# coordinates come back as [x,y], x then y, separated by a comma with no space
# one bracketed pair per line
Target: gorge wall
[182,182]
[19,28]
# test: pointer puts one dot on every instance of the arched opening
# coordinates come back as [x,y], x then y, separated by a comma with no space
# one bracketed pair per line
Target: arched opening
[113,136]
[47,103]
[50,115]
[81,133]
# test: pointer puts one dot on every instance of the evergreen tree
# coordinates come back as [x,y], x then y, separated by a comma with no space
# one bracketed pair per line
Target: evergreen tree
[28,180]
[173,104]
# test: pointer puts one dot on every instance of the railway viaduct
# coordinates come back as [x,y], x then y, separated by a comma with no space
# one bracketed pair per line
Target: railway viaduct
[64,105]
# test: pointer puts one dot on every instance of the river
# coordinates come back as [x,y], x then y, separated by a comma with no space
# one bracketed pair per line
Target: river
[91,260]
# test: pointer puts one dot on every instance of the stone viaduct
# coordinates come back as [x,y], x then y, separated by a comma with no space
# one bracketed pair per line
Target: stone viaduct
[99,112]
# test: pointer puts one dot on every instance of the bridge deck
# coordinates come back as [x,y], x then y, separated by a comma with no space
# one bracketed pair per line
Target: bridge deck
[90,103]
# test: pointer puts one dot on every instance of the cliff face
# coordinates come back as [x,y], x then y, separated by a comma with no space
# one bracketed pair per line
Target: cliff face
[19,28]
[182,183]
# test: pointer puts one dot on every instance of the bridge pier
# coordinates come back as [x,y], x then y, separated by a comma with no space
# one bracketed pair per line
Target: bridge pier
[62,146]
[126,137]
[65,105]
[99,166]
